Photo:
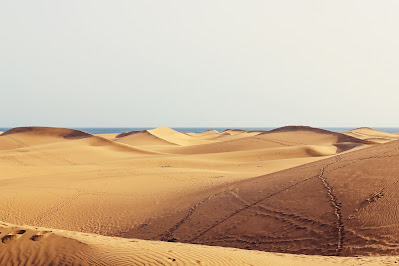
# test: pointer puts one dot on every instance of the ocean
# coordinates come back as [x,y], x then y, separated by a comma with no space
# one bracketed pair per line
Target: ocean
[105,130]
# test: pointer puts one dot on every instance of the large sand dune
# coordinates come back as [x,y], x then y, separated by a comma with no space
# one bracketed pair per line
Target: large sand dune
[293,190]
[346,205]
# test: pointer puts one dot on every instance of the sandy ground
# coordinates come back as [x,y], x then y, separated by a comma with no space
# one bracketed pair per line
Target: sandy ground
[252,190]
[27,245]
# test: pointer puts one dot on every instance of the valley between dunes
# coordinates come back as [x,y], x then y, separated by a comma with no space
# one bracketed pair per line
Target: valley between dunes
[279,197]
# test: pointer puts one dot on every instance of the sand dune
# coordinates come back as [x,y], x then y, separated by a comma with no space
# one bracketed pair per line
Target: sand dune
[141,138]
[26,245]
[372,135]
[167,136]
[207,133]
[161,184]
[160,136]
[33,136]
[283,137]
[110,136]
[234,131]
[346,205]
[309,135]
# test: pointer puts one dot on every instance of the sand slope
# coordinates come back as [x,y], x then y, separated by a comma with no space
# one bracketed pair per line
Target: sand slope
[24,245]
[346,205]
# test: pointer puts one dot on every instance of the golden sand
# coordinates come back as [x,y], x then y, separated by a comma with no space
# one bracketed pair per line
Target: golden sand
[69,197]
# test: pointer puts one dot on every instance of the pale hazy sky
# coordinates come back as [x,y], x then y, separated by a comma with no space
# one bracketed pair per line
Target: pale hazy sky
[199,63]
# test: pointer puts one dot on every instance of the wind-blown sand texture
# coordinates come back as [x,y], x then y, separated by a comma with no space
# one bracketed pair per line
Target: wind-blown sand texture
[72,197]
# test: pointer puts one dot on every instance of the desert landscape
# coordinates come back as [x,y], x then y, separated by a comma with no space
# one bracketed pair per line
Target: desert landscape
[199,132]
[292,195]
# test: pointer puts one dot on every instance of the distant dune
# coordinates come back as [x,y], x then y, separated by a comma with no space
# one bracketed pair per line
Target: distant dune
[295,190]
[141,138]
[32,136]
[205,133]
[372,135]
[283,137]
[161,136]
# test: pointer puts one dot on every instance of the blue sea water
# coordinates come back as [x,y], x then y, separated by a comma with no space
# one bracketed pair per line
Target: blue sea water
[104,130]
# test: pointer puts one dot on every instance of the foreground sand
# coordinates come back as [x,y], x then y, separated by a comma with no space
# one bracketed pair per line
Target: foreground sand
[252,190]
[25,245]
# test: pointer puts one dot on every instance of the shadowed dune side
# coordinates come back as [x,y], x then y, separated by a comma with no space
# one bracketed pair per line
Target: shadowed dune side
[346,205]
[24,245]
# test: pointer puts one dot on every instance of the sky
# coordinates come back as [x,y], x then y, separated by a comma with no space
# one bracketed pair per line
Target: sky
[181,63]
